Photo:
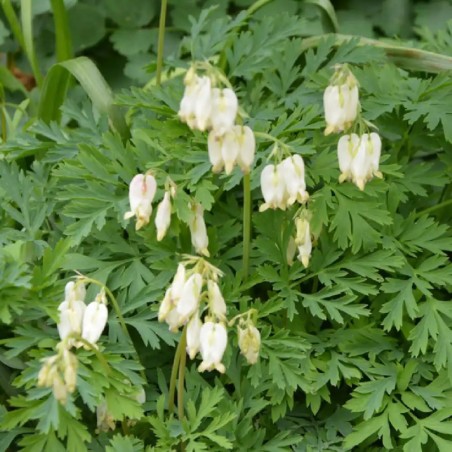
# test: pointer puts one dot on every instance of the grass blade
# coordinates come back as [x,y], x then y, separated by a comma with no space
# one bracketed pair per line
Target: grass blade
[26,14]
[13,22]
[62,33]
[56,84]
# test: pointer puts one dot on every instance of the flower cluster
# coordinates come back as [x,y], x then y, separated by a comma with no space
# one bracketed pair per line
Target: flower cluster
[194,301]
[358,155]
[142,190]
[59,372]
[79,324]
[284,184]
[78,320]
[206,107]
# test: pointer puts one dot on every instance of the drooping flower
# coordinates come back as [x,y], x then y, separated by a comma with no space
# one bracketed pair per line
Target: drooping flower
[273,188]
[341,101]
[359,158]
[198,230]
[141,193]
[196,104]
[303,240]
[71,310]
[189,300]
[249,343]
[193,335]
[247,147]
[213,339]
[95,319]
[224,110]
[163,216]
[293,170]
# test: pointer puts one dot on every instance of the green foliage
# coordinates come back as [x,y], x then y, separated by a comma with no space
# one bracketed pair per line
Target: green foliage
[356,348]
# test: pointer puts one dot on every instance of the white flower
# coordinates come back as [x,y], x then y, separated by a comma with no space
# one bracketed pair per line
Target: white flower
[214,145]
[303,240]
[213,341]
[236,146]
[273,187]
[193,332]
[359,158]
[163,216]
[74,291]
[293,170]
[249,343]
[141,193]
[247,147]
[196,104]
[203,104]
[347,147]
[224,110]
[217,305]
[341,105]
[198,230]
[189,300]
[70,318]
[95,319]
[173,294]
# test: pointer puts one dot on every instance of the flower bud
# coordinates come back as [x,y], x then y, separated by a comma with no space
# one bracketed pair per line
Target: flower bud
[249,343]
[217,305]
[74,291]
[303,240]
[213,339]
[141,193]
[163,216]
[198,230]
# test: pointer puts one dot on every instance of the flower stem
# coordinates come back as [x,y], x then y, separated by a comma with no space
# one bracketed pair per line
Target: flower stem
[433,208]
[246,224]
[180,385]
[172,388]
[161,41]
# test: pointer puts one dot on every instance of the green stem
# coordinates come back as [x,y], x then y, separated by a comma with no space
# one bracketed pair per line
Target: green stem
[161,41]
[246,224]
[180,384]
[433,208]
[172,388]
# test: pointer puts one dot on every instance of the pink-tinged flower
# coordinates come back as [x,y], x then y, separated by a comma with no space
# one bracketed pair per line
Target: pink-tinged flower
[141,193]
